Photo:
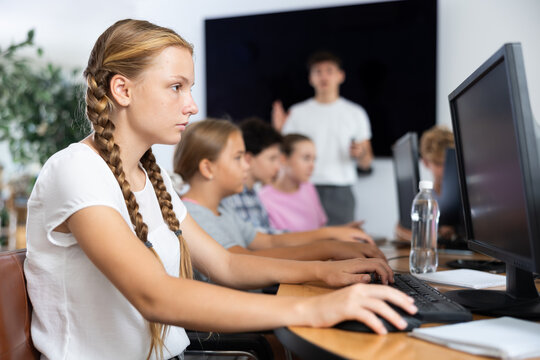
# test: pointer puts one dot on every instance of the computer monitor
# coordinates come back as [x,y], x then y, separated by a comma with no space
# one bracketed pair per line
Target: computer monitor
[498,166]
[405,157]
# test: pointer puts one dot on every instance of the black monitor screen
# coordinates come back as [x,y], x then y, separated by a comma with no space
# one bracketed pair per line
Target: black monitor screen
[498,172]
[405,156]
[492,164]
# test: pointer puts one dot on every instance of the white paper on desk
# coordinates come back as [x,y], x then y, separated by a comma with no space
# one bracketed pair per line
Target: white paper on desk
[464,278]
[505,337]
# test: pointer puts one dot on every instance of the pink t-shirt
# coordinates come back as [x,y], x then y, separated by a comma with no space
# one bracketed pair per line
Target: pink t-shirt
[297,211]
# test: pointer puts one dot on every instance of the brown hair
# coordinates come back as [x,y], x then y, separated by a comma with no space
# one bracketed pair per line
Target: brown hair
[434,143]
[289,141]
[323,56]
[127,48]
[204,139]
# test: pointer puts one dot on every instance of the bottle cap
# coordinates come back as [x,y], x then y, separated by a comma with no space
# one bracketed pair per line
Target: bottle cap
[425,185]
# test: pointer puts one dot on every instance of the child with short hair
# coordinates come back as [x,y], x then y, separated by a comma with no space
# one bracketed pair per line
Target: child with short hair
[262,143]
[433,145]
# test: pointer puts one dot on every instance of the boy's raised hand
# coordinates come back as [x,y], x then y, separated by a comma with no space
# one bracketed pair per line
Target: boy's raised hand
[279,115]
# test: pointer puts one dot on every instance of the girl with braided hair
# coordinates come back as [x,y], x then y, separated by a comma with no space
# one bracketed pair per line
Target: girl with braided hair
[111,246]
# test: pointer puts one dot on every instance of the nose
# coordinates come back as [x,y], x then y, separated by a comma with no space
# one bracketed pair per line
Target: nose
[190,107]
[311,166]
[245,165]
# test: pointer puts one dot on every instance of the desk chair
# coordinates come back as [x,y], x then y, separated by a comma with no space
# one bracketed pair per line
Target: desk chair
[15,309]
[244,346]
[16,312]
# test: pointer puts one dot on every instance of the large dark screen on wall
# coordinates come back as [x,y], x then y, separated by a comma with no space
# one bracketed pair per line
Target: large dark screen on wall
[388,51]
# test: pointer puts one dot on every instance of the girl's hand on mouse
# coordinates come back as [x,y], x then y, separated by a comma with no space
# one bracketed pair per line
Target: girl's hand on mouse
[359,302]
[347,272]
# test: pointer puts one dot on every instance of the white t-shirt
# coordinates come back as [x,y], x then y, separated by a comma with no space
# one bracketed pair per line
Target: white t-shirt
[78,313]
[331,127]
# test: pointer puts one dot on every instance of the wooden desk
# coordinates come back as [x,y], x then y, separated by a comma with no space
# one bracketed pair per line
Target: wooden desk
[310,343]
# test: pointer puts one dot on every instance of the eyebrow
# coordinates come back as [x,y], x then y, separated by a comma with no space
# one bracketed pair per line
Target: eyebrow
[181,79]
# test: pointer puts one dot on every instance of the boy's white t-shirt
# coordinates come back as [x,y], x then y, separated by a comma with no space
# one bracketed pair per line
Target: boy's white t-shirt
[331,126]
[77,311]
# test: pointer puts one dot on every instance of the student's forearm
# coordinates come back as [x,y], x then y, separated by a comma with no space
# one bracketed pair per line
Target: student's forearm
[254,272]
[315,251]
[301,238]
[213,308]
[344,233]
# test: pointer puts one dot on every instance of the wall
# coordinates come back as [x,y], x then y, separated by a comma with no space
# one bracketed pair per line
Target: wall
[472,30]
[469,32]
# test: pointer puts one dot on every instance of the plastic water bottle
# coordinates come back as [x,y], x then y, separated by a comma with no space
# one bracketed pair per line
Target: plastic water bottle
[425,226]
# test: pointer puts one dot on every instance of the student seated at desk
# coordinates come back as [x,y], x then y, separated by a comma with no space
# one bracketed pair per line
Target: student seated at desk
[111,246]
[433,145]
[262,143]
[211,159]
[292,201]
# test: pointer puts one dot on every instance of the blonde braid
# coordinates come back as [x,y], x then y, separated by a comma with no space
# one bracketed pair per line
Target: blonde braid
[97,109]
[103,137]
[154,173]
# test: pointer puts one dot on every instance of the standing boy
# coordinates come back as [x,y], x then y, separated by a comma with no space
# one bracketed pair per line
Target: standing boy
[340,130]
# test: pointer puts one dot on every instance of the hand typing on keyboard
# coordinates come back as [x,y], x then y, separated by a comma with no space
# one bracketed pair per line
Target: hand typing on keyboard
[355,270]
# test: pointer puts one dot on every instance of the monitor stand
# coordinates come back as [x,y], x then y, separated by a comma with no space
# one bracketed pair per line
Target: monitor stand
[520,299]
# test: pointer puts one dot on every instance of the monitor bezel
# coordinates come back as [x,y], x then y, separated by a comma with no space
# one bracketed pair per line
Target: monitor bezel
[525,129]
[409,139]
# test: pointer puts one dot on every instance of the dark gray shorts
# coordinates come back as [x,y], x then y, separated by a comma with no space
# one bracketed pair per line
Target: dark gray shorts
[338,203]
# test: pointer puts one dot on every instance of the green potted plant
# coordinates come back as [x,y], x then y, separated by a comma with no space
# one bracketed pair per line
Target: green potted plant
[40,113]
[40,106]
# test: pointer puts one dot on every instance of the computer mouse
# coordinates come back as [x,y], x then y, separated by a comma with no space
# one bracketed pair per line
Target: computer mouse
[357,326]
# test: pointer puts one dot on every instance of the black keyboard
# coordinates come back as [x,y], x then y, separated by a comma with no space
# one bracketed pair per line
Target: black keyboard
[433,306]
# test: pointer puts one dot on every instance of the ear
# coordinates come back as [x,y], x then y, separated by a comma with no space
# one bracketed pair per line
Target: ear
[342,74]
[206,168]
[426,163]
[309,79]
[121,89]
[282,158]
